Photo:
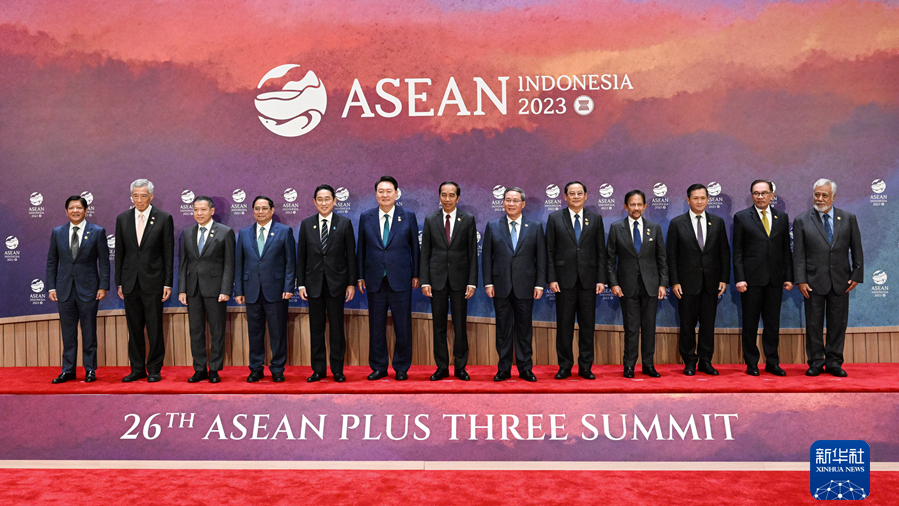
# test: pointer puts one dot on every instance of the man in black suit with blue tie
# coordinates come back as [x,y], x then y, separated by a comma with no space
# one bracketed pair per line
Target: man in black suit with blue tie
[763,269]
[264,278]
[205,282]
[77,278]
[514,265]
[388,258]
[326,275]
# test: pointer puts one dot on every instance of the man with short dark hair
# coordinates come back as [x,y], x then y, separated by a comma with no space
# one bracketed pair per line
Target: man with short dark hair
[264,277]
[326,275]
[77,278]
[388,258]
[699,271]
[514,266]
[763,269]
[449,254]
[205,282]
[576,271]
[144,273]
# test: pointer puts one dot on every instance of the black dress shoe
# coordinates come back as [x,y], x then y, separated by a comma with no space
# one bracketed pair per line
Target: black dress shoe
[134,377]
[339,377]
[62,378]
[775,370]
[278,377]
[650,370]
[402,376]
[90,377]
[836,371]
[214,377]
[563,373]
[154,378]
[462,374]
[315,377]
[690,370]
[814,371]
[752,370]
[527,376]
[439,374]
[198,377]
[255,376]
[376,375]
[502,376]
[587,375]
[707,368]
[628,372]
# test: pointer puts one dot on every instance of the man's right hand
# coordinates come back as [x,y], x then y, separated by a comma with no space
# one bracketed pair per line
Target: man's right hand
[805,289]
[742,286]
[239,299]
[616,291]
[182,298]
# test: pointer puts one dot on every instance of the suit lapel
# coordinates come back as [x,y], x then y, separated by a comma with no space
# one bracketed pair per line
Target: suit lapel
[754,216]
[691,230]
[268,239]
[454,227]
[522,234]
[333,224]
[394,221]
[627,237]
[569,227]
[837,225]
[819,224]
[151,219]
[506,235]
[192,237]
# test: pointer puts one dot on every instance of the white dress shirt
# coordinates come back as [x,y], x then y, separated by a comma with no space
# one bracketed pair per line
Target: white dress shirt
[268,232]
[704,224]
[381,214]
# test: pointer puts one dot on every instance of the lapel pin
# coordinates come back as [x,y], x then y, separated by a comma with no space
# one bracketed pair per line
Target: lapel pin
[650,238]
[458,219]
[399,218]
[525,225]
[272,234]
[314,226]
[839,218]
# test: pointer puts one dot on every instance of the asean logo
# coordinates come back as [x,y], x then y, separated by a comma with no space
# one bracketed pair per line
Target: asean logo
[714,189]
[879,277]
[499,192]
[88,196]
[552,191]
[37,286]
[297,107]
[660,189]
[342,194]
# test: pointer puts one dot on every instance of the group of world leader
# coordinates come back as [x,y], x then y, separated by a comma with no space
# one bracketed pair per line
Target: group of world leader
[263,266]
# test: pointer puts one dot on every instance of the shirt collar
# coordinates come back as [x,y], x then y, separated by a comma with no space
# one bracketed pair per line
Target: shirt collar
[391,212]
[694,215]
[267,225]
[80,224]
[572,213]
[631,221]
[518,221]
[146,211]
[452,215]
[328,217]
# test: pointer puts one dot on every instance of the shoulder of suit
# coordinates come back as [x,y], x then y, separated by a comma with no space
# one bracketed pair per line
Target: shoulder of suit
[648,224]
[159,212]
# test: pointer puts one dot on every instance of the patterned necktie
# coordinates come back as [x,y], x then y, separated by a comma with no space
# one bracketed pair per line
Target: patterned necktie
[828,228]
[514,236]
[140,228]
[766,223]
[446,227]
[638,241]
[699,237]
[386,232]
[74,243]
[577,227]
[324,235]
[202,239]
[260,241]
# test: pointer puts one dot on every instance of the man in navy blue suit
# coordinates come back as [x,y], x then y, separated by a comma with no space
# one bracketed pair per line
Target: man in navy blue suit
[513,260]
[77,278]
[388,254]
[265,279]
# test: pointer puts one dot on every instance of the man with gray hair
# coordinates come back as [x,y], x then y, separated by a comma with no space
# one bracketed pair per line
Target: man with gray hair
[827,264]
[144,270]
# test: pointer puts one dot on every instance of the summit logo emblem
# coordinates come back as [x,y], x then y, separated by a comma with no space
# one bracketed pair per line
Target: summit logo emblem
[297,107]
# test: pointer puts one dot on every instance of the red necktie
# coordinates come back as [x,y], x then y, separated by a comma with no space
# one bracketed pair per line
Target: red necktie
[447,228]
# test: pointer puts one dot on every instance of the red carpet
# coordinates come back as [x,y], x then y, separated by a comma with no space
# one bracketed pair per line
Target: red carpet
[862,378]
[172,487]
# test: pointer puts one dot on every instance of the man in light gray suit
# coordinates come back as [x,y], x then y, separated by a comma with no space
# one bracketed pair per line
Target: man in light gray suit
[827,263]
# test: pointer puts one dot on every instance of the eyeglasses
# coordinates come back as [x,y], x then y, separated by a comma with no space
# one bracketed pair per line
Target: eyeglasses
[761,194]
[513,201]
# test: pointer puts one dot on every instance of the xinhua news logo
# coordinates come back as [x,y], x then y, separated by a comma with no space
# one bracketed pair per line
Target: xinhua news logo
[840,470]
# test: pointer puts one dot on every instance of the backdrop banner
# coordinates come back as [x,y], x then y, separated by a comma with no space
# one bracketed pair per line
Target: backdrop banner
[232,99]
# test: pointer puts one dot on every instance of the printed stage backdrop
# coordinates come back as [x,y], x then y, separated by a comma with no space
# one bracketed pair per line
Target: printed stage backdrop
[234,99]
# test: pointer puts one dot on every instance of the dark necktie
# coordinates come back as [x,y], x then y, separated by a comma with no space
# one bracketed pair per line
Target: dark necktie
[699,237]
[827,228]
[202,240]
[324,235]
[75,245]
[446,227]
[577,227]
[638,241]
[514,236]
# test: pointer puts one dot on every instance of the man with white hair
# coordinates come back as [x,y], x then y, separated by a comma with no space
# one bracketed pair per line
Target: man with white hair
[144,270]
[827,264]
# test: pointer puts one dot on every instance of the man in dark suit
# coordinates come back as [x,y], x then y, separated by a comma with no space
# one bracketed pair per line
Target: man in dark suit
[699,271]
[264,278]
[326,275]
[828,263]
[514,266]
[638,274]
[77,278]
[144,272]
[388,255]
[576,271]
[205,280]
[449,254]
[763,269]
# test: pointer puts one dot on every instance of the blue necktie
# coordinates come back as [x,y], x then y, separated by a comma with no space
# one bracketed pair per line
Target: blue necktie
[577,227]
[386,232]
[827,228]
[638,241]
[514,236]
[202,239]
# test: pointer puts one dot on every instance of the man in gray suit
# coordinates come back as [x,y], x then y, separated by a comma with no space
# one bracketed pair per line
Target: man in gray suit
[638,274]
[827,263]
[205,279]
